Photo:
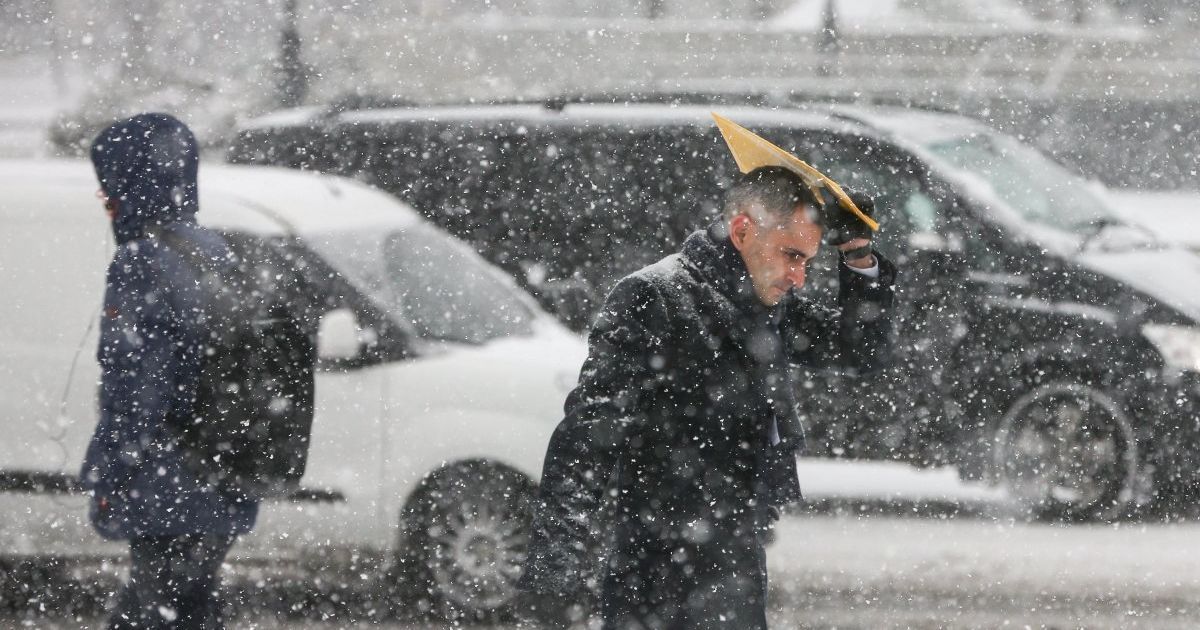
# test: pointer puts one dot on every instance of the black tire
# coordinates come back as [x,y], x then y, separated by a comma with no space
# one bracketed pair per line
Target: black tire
[1066,450]
[468,530]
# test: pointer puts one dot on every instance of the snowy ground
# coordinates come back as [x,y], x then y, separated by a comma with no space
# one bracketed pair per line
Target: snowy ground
[849,563]
[843,571]
[896,572]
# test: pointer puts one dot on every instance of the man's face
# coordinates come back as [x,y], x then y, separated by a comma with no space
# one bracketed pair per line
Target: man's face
[777,256]
[110,205]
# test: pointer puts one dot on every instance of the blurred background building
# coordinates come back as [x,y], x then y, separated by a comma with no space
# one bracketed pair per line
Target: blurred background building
[1107,86]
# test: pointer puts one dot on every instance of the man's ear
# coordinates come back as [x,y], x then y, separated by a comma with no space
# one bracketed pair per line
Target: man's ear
[739,228]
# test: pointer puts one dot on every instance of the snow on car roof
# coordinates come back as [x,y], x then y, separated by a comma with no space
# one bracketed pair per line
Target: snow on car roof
[917,126]
[256,199]
[449,113]
[292,117]
[582,114]
[305,202]
[896,15]
[658,114]
[36,187]
[65,172]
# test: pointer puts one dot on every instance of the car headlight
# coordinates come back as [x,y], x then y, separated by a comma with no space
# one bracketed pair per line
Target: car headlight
[1178,345]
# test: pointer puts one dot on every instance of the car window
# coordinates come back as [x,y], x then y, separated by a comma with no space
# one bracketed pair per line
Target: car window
[452,174]
[285,272]
[921,212]
[911,207]
[444,291]
[638,192]
[317,283]
[301,147]
[903,206]
[1027,181]
[270,278]
[439,170]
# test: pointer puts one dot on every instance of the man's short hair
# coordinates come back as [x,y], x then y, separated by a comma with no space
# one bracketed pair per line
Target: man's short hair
[768,195]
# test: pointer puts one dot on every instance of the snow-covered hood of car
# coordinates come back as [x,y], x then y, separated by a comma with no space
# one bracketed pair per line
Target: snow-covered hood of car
[1170,276]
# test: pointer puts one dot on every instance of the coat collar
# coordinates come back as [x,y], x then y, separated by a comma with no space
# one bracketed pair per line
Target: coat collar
[712,254]
[751,325]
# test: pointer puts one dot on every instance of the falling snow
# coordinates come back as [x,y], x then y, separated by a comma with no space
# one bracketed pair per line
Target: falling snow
[455,326]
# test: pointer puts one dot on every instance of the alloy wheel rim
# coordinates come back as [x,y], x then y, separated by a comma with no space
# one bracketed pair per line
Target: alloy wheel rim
[1065,446]
[480,550]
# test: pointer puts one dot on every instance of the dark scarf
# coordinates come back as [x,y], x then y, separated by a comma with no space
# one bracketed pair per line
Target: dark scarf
[753,326]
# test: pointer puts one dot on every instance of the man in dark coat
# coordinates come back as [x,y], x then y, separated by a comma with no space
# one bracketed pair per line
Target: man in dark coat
[153,334]
[684,424]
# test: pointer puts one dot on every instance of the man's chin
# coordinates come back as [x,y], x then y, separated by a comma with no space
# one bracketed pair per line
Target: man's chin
[774,297]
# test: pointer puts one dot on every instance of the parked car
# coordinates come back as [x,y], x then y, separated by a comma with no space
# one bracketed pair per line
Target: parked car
[1172,216]
[1043,344]
[439,381]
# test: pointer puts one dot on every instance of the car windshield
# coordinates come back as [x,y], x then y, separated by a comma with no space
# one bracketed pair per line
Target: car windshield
[1027,181]
[433,285]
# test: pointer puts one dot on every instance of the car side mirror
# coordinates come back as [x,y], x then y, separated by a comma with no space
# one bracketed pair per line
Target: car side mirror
[338,336]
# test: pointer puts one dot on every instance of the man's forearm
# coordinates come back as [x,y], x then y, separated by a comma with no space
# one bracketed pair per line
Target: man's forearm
[857,253]
[867,315]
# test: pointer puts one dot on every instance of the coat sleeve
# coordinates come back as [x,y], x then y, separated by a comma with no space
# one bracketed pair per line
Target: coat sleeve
[142,363]
[626,350]
[857,335]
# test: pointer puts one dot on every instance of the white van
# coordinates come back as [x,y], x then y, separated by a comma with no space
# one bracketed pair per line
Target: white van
[440,381]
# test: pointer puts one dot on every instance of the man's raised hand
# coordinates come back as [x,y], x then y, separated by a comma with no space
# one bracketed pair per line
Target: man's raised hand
[847,232]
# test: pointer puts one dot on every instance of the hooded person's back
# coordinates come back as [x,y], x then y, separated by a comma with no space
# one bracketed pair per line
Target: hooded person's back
[152,338]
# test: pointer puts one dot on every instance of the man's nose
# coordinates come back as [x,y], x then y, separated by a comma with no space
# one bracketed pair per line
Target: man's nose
[795,275]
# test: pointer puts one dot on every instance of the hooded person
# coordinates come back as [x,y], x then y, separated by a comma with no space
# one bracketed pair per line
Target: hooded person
[153,334]
[678,444]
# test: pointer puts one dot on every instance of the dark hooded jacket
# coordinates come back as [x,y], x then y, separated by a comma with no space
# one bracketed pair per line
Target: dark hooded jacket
[153,331]
[684,423]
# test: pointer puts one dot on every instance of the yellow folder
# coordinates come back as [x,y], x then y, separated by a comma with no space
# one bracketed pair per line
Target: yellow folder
[752,151]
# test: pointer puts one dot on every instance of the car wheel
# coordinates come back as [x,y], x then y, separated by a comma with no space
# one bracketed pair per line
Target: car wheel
[469,530]
[1066,450]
